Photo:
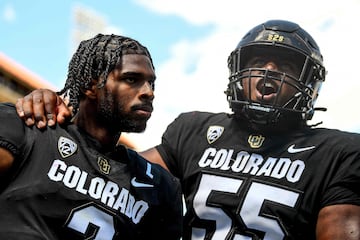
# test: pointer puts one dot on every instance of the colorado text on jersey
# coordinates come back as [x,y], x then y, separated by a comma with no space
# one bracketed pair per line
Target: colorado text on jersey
[252,163]
[108,192]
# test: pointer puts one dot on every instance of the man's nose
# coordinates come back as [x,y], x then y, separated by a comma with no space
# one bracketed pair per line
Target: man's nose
[147,90]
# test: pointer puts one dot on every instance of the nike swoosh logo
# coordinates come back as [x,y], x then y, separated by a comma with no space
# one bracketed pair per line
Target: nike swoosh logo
[292,149]
[135,183]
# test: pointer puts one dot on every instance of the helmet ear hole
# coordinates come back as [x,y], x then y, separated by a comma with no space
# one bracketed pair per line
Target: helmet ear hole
[289,43]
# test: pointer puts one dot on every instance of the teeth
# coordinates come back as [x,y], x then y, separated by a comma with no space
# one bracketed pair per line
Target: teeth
[268,85]
[267,88]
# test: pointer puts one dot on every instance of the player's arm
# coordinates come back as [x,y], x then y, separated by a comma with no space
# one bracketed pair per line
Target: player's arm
[172,226]
[339,222]
[6,160]
[42,107]
[154,156]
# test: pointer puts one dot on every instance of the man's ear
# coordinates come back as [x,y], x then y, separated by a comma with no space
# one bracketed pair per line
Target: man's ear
[92,92]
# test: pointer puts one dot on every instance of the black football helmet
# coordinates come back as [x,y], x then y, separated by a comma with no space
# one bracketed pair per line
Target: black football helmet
[286,41]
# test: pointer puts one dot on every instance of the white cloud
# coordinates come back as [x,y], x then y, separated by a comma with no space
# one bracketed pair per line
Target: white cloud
[9,14]
[178,89]
[87,22]
[113,30]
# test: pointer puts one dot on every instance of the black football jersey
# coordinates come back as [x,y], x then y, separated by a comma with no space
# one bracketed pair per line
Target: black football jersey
[241,184]
[64,185]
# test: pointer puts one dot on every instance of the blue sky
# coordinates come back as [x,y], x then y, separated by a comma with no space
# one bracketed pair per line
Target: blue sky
[38,34]
[189,41]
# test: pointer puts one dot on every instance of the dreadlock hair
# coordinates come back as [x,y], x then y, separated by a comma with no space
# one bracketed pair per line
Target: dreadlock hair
[94,59]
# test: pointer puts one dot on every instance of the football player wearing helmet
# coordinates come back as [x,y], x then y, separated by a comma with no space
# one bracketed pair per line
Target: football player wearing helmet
[261,172]
[275,75]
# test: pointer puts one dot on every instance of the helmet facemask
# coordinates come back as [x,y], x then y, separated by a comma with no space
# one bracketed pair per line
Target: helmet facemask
[265,95]
[285,91]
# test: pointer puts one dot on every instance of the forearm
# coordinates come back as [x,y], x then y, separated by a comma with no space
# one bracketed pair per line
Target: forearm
[339,222]
[6,160]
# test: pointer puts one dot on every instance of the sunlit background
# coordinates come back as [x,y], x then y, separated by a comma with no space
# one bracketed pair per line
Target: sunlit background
[189,41]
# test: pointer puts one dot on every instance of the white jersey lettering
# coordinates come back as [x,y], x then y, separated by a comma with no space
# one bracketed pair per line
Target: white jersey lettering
[108,192]
[252,163]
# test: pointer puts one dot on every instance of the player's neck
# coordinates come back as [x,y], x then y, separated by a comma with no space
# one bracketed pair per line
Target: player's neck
[278,128]
[88,123]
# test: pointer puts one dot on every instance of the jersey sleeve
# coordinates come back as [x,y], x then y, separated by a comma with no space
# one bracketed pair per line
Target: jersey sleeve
[343,187]
[12,130]
[173,211]
[172,141]
[166,220]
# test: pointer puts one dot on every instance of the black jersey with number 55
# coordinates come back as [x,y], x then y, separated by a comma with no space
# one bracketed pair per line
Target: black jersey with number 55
[240,184]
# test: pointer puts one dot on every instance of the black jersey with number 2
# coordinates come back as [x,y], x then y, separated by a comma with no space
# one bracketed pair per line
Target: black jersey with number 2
[65,186]
[245,185]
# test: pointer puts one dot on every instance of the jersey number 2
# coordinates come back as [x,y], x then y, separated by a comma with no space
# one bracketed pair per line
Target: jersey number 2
[92,222]
[250,210]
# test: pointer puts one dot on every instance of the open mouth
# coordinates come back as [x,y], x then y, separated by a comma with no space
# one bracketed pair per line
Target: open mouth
[266,91]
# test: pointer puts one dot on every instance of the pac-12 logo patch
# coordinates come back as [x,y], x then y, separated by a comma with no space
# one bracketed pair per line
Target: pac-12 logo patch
[213,133]
[255,141]
[66,147]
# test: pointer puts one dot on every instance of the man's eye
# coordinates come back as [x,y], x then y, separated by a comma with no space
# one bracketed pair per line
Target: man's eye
[259,63]
[290,69]
[130,80]
[256,62]
[287,68]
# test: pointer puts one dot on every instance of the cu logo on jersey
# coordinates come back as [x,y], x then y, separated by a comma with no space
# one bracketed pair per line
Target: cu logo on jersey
[255,141]
[66,147]
[213,133]
[104,165]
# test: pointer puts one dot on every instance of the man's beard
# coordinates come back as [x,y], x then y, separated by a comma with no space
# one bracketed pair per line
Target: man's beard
[113,116]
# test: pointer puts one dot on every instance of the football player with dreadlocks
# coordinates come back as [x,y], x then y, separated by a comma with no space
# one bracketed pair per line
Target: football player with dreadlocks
[73,181]
[261,172]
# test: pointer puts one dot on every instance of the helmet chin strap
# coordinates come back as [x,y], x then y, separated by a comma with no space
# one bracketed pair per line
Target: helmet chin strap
[270,120]
[261,115]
